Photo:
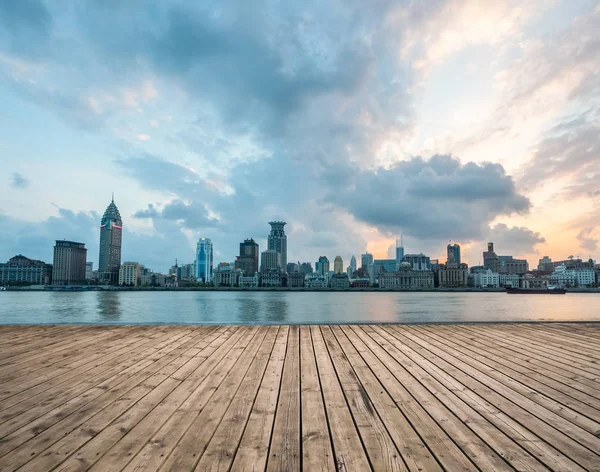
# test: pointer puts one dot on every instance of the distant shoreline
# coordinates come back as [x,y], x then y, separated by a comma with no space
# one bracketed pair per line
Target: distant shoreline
[269,289]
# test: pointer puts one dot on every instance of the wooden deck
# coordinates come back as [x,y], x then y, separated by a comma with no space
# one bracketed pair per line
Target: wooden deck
[349,398]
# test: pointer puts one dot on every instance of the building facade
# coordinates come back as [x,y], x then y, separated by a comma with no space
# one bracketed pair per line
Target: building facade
[68,267]
[271,278]
[490,258]
[406,278]
[399,251]
[454,249]
[204,260]
[510,265]
[270,260]
[339,282]
[338,265]
[306,268]
[249,281]
[247,261]
[509,280]
[295,279]
[316,280]
[21,270]
[111,233]
[130,274]
[486,279]
[418,261]
[292,267]
[277,241]
[89,271]
[383,265]
[453,275]
[226,275]
[322,266]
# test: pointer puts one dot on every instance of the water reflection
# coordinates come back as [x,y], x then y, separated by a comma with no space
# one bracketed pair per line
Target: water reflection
[248,308]
[66,309]
[276,308]
[109,306]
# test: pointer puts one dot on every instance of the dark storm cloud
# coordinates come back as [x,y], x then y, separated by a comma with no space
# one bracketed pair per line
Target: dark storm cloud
[436,198]
[19,180]
[516,240]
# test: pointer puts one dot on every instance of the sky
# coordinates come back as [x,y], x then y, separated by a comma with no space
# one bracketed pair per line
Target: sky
[442,120]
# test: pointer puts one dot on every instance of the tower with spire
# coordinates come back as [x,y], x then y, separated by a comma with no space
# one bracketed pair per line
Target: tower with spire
[111,229]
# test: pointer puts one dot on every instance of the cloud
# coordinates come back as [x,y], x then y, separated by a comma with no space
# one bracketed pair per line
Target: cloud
[570,149]
[143,137]
[36,239]
[588,239]
[19,180]
[25,26]
[515,240]
[428,199]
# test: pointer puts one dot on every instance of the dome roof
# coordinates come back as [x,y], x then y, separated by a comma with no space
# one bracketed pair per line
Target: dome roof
[112,214]
[406,265]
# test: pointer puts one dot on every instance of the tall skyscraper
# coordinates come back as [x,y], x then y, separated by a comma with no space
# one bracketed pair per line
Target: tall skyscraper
[338,265]
[490,258]
[453,252]
[353,264]
[269,260]
[248,258]
[204,260]
[322,266]
[399,250]
[69,263]
[366,260]
[111,229]
[277,241]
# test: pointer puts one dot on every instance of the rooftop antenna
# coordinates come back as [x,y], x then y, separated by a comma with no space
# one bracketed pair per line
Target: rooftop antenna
[113,197]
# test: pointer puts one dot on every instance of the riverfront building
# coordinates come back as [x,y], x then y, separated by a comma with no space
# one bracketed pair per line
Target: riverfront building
[22,270]
[295,279]
[339,281]
[247,261]
[322,266]
[418,261]
[270,260]
[204,260]
[69,263]
[109,261]
[338,265]
[130,274]
[277,241]
[406,278]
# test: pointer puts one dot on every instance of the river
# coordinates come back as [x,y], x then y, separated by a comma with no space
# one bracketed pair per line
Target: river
[290,307]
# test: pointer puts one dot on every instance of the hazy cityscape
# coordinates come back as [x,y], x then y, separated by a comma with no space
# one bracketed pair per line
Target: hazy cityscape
[255,269]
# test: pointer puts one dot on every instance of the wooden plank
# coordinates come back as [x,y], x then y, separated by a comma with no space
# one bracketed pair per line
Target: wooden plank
[539,364]
[573,398]
[83,424]
[547,454]
[316,441]
[523,410]
[426,389]
[392,403]
[537,357]
[254,446]
[285,450]
[55,407]
[60,383]
[383,453]
[189,449]
[348,448]
[84,445]
[168,421]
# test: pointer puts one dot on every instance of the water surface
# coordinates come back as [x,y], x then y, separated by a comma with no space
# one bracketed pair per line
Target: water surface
[291,307]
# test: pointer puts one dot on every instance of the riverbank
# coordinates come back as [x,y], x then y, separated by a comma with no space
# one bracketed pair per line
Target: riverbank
[50,288]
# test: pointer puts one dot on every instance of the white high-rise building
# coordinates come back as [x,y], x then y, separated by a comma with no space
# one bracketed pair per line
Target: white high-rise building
[399,250]
[353,264]
[130,274]
[204,260]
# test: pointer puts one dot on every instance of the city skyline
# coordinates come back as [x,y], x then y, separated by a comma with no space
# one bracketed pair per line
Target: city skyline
[439,120]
